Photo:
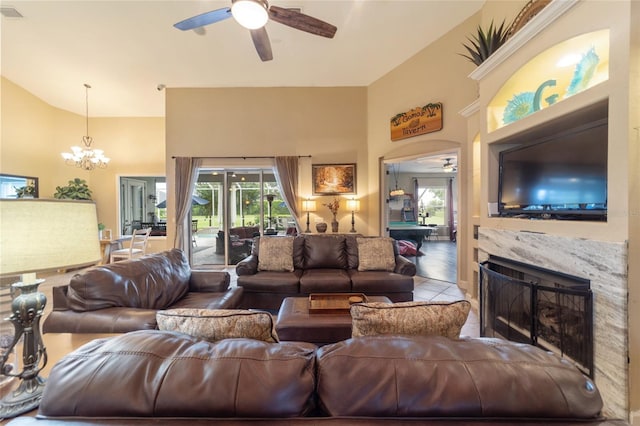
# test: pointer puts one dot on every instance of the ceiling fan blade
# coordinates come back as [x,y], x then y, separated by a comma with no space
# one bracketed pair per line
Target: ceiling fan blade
[204,19]
[302,22]
[261,42]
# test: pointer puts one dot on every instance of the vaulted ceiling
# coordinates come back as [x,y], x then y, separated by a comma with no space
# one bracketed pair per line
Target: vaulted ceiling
[126,49]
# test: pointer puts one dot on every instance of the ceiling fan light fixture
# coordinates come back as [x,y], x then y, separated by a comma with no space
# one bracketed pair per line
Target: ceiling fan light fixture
[448,166]
[251,14]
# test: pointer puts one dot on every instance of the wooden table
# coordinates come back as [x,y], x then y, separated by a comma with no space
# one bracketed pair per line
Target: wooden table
[107,245]
[295,323]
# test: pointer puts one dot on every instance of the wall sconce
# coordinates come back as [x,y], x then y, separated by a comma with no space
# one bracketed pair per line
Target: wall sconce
[308,206]
[354,206]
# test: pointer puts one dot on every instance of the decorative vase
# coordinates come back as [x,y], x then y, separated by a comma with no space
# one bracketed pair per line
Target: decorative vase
[321,227]
[334,224]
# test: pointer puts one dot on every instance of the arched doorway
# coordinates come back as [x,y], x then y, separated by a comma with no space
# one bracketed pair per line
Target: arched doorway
[421,207]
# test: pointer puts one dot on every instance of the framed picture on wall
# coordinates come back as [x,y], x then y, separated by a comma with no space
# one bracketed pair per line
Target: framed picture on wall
[330,179]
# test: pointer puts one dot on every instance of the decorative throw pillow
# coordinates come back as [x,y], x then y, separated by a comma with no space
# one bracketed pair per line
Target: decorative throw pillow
[218,324]
[276,254]
[376,254]
[410,318]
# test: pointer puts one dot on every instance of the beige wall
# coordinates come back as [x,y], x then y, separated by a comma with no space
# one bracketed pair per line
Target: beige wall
[435,74]
[634,212]
[327,123]
[35,133]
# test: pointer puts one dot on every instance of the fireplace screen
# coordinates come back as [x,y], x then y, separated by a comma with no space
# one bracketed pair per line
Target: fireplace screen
[527,304]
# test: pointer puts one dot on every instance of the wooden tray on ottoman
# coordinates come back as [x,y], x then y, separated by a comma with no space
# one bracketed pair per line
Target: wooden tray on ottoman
[334,303]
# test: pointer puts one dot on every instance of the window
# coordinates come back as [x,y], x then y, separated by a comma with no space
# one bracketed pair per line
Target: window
[230,207]
[432,203]
[143,204]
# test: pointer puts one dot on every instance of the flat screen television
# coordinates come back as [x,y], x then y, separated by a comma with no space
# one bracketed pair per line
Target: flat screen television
[562,176]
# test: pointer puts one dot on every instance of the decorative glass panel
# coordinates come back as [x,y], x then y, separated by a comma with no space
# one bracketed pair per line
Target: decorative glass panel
[557,73]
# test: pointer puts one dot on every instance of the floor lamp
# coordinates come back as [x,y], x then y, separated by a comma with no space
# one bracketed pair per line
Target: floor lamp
[37,236]
[354,206]
[308,206]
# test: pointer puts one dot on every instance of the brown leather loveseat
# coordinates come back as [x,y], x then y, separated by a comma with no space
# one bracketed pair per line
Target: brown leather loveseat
[153,377]
[125,296]
[323,264]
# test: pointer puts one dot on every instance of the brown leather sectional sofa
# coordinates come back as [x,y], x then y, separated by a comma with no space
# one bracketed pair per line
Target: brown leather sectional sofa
[322,264]
[155,377]
[124,296]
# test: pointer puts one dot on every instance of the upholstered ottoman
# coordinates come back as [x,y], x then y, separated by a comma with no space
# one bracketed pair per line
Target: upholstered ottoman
[295,323]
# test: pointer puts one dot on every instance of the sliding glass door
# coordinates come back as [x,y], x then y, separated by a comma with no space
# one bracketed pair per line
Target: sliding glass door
[230,208]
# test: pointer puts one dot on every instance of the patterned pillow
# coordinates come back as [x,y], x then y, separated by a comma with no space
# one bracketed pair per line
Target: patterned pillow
[218,324]
[276,254]
[410,318]
[376,254]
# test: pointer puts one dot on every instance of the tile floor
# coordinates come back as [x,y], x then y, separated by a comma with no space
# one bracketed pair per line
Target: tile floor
[426,289]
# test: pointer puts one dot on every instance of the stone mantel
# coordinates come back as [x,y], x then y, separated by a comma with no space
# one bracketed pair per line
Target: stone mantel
[605,265]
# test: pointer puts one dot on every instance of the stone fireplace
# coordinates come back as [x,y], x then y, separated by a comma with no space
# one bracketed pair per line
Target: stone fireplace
[604,264]
[528,304]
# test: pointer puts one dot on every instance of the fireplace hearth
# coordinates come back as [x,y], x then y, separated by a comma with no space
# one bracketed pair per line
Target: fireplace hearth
[529,304]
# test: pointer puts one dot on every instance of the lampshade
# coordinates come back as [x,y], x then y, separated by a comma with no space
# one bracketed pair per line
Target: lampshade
[44,235]
[353,205]
[251,14]
[308,206]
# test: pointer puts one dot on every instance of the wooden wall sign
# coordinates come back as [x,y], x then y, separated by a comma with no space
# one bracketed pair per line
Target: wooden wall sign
[417,121]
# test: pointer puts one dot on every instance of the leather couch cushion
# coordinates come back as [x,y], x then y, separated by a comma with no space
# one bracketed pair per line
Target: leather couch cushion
[154,373]
[376,254]
[410,318]
[154,281]
[325,281]
[325,251]
[435,376]
[377,282]
[218,324]
[276,254]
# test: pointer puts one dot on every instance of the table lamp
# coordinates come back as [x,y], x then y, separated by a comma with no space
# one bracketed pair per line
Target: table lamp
[308,206]
[354,206]
[37,236]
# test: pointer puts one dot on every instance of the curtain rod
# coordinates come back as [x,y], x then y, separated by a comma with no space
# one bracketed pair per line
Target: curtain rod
[249,157]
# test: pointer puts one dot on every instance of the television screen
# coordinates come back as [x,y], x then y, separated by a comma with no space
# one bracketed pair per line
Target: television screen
[560,176]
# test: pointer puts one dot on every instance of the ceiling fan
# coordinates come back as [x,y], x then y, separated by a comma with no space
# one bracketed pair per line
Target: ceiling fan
[253,15]
[448,166]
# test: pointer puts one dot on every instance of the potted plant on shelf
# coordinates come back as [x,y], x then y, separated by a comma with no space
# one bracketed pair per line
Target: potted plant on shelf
[77,189]
[484,44]
[28,191]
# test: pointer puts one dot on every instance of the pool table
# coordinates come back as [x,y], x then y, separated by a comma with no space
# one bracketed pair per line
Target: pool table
[410,231]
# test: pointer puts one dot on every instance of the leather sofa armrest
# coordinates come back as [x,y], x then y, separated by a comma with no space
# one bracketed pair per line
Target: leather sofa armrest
[209,281]
[404,266]
[247,266]
[59,296]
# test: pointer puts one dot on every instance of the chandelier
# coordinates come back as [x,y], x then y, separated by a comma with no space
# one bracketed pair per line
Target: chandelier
[85,157]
